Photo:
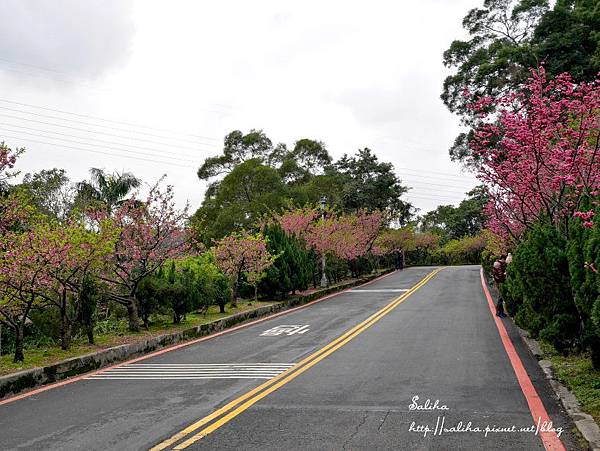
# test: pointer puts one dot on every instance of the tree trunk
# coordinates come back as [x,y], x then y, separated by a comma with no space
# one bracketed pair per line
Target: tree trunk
[132,313]
[65,329]
[255,293]
[90,333]
[235,295]
[221,307]
[19,332]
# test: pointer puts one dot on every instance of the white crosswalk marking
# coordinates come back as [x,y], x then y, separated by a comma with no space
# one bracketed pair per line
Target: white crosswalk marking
[192,371]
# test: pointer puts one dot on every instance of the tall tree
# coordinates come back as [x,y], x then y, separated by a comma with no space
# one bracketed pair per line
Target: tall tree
[50,192]
[150,233]
[368,184]
[507,37]
[546,159]
[243,254]
[457,222]
[106,190]
[567,39]
[249,191]
[237,148]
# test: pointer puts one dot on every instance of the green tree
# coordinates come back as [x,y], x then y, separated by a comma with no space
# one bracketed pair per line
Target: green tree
[238,201]
[212,284]
[50,192]
[453,223]
[106,190]
[237,148]
[292,270]
[308,159]
[260,178]
[567,39]
[507,37]
[87,297]
[368,184]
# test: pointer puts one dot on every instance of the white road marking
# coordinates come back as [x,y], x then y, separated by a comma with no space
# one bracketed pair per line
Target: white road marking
[287,329]
[192,371]
[384,290]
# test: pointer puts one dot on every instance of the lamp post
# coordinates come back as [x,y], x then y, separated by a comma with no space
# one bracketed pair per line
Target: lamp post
[324,281]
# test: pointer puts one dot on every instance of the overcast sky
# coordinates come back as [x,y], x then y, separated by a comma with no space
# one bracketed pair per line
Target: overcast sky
[152,87]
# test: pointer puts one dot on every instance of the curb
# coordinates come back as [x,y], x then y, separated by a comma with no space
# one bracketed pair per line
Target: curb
[584,422]
[15,383]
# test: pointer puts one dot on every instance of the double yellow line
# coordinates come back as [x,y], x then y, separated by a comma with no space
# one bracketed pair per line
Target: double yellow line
[238,405]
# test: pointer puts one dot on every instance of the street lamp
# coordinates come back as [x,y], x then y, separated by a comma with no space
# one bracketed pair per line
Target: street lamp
[324,281]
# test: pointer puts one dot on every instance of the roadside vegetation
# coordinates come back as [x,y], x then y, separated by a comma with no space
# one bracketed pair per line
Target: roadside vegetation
[526,85]
[83,262]
[575,371]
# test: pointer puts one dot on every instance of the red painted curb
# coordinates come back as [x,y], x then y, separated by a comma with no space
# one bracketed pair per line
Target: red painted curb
[539,414]
[181,345]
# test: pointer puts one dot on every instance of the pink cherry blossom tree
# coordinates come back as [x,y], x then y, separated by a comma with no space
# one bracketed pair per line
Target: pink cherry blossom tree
[8,159]
[22,277]
[243,254]
[150,232]
[45,266]
[538,156]
[345,236]
[297,221]
[398,242]
[71,252]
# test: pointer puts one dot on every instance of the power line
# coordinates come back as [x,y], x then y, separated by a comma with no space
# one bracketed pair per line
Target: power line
[90,124]
[87,144]
[431,197]
[447,174]
[96,139]
[427,180]
[434,197]
[62,146]
[86,116]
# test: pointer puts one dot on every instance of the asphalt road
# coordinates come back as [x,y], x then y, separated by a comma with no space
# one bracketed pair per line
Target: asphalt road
[316,390]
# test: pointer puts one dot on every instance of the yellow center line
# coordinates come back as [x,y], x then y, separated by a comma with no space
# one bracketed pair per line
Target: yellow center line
[268,387]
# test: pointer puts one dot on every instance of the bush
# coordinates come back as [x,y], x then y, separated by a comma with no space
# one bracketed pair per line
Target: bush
[584,248]
[464,251]
[538,288]
[212,285]
[149,297]
[292,269]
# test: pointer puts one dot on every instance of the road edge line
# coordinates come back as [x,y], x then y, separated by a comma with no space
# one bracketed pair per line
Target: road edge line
[538,412]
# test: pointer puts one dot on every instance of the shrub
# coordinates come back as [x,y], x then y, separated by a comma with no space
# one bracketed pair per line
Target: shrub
[292,269]
[463,251]
[539,288]
[584,248]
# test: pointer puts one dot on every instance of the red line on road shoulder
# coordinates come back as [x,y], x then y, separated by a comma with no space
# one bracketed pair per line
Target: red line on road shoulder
[536,407]
[181,345]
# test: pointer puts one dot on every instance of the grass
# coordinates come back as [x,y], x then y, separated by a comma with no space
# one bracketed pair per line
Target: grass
[578,375]
[47,355]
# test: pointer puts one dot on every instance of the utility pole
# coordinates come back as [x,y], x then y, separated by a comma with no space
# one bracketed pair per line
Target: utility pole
[324,281]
